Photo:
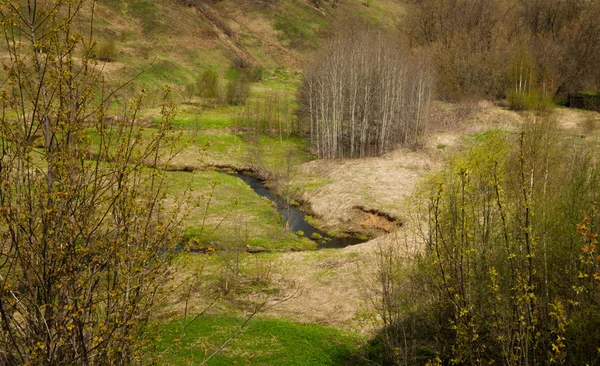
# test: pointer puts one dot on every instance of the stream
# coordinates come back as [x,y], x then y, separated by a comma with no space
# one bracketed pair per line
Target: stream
[295,219]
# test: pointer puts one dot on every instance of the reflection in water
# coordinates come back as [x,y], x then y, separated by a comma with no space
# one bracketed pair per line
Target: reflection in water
[294,218]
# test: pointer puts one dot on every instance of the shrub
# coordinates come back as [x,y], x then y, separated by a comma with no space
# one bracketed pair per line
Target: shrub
[190,91]
[207,85]
[256,74]
[528,101]
[238,90]
[106,51]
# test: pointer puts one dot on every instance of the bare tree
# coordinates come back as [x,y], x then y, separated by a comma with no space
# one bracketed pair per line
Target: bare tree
[365,95]
[473,41]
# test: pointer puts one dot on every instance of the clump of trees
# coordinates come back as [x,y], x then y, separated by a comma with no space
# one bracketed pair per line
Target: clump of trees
[86,234]
[510,268]
[476,44]
[364,95]
[527,90]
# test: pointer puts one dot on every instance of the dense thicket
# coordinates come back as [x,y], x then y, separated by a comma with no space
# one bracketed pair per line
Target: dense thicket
[479,45]
[511,266]
[364,95]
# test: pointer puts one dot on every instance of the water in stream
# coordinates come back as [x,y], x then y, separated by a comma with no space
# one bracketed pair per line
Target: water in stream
[295,218]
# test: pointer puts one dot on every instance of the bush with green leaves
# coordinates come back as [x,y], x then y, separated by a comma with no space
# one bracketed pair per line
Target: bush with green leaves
[503,254]
[207,85]
[87,236]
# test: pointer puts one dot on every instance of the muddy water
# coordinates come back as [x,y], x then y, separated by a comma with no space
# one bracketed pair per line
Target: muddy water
[295,219]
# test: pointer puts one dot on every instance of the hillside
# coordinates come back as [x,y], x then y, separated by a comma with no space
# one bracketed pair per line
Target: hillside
[172,41]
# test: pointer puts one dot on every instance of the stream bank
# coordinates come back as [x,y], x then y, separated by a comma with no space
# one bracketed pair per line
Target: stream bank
[295,220]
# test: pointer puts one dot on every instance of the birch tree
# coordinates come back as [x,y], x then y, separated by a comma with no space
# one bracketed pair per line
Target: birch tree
[365,95]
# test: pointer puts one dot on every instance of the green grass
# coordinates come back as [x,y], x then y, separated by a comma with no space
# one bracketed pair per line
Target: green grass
[164,71]
[484,136]
[235,214]
[298,29]
[282,79]
[193,116]
[275,150]
[262,342]
[313,183]
[148,14]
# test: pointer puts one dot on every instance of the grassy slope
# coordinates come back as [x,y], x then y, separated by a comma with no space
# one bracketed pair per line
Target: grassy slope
[235,216]
[172,42]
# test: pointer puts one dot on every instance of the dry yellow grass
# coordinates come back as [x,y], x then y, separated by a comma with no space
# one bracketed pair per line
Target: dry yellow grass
[335,286]
[380,183]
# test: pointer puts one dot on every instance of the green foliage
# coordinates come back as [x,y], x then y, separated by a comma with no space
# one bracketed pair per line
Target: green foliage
[207,85]
[316,236]
[529,100]
[503,256]
[190,90]
[263,342]
[87,235]
[525,92]
[256,74]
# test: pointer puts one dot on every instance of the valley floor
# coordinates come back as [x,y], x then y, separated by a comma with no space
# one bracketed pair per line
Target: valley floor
[334,287]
